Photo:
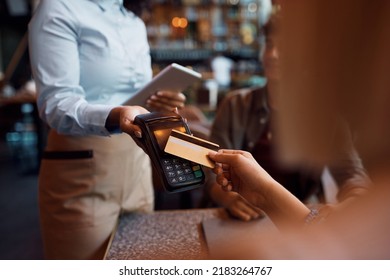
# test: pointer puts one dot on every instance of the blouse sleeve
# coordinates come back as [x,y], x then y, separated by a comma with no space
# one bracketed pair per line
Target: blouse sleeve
[56,69]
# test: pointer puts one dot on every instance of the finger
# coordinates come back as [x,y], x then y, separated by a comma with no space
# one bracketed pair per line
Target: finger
[236,152]
[227,188]
[248,209]
[229,151]
[167,105]
[259,212]
[130,128]
[211,156]
[225,167]
[217,158]
[238,213]
[217,169]
[243,209]
[221,180]
[169,97]
[136,131]
[225,156]
[173,95]
[227,175]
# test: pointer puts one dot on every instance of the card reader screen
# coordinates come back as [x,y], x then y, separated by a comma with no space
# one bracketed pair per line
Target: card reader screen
[162,135]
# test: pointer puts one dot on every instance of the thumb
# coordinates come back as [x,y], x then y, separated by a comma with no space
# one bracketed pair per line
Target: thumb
[130,128]
[219,157]
[228,157]
[212,155]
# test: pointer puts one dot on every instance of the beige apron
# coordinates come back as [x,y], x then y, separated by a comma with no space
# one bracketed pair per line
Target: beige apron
[84,184]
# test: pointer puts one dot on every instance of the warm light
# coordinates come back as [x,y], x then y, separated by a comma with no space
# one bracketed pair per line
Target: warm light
[248,39]
[179,22]
[175,22]
[183,22]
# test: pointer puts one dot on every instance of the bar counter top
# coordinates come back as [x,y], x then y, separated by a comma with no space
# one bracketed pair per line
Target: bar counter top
[174,234]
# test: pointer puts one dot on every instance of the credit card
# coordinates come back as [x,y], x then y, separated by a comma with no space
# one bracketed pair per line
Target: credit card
[190,147]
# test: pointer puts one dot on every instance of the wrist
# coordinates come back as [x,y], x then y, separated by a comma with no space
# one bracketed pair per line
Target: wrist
[283,207]
[271,197]
[113,120]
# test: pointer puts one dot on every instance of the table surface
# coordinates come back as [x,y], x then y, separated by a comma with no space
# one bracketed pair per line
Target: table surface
[174,234]
[19,98]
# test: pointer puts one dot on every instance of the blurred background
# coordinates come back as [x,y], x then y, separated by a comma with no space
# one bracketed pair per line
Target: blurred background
[219,38]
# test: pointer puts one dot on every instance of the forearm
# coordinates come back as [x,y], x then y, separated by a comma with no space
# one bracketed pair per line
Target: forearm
[72,115]
[284,209]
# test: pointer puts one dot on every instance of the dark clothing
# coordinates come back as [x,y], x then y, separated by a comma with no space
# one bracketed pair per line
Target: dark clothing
[243,122]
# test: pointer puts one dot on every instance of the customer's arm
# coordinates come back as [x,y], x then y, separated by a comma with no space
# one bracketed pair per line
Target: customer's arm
[238,171]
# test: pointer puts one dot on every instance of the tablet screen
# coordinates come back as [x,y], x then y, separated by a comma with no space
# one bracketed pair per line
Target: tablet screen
[172,78]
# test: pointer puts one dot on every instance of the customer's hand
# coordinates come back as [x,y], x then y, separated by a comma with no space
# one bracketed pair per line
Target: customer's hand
[166,101]
[239,207]
[238,171]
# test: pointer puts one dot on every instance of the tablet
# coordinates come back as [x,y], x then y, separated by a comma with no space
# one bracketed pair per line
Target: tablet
[174,77]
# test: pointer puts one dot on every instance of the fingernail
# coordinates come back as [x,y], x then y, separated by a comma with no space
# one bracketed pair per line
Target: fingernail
[138,134]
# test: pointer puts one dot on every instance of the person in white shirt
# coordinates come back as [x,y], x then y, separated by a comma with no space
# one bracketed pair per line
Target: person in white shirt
[88,57]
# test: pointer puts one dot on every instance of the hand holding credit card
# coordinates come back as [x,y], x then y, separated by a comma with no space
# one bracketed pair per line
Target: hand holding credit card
[190,147]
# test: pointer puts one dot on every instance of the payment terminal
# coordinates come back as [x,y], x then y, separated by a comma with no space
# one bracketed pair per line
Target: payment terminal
[176,174]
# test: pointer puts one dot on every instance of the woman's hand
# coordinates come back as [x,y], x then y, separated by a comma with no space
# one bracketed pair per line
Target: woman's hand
[238,171]
[239,207]
[123,118]
[127,116]
[233,202]
[166,101]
